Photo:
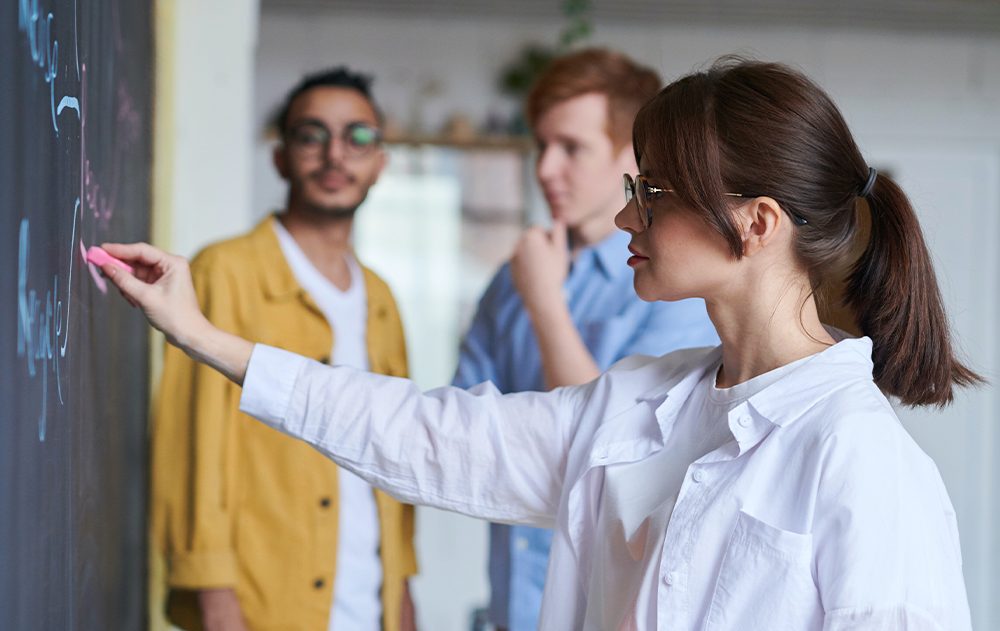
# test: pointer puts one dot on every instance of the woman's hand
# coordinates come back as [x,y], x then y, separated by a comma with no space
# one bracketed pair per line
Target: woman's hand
[162,288]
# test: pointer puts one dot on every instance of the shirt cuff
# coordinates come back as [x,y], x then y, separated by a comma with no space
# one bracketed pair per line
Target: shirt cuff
[209,569]
[269,383]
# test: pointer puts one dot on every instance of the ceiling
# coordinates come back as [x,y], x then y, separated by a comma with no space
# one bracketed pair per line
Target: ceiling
[946,16]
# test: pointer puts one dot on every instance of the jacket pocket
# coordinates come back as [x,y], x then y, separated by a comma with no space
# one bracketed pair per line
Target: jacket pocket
[765,581]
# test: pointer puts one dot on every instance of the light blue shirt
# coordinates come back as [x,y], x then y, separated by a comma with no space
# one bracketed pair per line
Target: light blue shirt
[501,347]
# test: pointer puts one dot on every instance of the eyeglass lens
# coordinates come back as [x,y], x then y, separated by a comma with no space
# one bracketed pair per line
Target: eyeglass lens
[637,188]
[310,139]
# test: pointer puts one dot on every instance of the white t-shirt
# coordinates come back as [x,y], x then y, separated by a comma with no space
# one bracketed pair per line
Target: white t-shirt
[356,601]
[640,497]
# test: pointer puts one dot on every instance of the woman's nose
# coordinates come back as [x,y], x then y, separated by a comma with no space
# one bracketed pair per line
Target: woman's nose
[627,218]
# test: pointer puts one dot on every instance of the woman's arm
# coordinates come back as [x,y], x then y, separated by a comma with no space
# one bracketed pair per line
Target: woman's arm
[162,287]
[476,452]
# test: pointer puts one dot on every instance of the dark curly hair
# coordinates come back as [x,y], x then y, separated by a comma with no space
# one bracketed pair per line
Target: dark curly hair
[340,77]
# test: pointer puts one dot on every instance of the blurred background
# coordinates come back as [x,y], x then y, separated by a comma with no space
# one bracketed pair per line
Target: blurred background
[919,82]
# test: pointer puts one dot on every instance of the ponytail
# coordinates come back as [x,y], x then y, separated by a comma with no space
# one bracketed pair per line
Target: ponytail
[764,129]
[893,293]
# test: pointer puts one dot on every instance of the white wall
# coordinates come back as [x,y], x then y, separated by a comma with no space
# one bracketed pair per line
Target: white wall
[203,135]
[926,106]
[210,95]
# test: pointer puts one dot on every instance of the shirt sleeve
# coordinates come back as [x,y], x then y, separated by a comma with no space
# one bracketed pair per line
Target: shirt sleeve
[192,486]
[475,358]
[671,326]
[476,452]
[885,538]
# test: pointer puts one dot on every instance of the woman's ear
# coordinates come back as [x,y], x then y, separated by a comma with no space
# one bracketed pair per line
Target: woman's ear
[761,219]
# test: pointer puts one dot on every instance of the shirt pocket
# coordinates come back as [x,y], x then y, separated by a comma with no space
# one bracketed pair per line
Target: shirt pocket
[765,581]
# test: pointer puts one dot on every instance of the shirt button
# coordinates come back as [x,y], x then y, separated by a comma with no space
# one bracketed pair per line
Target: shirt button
[318,583]
[325,502]
[521,543]
[670,578]
[745,420]
[699,475]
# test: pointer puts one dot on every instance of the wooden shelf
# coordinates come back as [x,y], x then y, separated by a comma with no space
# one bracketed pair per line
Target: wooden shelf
[522,144]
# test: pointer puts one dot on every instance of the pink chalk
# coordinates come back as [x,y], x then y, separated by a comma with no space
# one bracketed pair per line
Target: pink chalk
[99,257]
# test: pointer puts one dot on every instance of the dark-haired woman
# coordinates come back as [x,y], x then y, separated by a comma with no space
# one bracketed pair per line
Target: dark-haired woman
[765,484]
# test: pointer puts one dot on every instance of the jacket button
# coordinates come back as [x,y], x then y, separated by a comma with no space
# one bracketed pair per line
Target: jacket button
[318,584]
[325,502]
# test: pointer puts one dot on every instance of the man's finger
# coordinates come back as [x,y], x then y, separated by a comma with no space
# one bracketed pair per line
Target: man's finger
[559,236]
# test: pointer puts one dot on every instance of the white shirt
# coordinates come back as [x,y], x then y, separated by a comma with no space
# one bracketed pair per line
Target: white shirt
[822,513]
[638,498]
[356,605]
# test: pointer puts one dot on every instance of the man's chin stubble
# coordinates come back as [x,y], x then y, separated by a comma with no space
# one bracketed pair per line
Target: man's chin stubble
[333,212]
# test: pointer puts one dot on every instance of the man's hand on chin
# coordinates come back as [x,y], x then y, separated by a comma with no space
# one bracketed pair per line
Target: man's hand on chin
[540,266]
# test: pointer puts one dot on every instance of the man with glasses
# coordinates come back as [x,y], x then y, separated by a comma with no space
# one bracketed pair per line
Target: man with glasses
[563,310]
[260,531]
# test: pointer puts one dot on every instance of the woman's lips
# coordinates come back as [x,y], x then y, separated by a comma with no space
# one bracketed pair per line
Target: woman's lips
[636,258]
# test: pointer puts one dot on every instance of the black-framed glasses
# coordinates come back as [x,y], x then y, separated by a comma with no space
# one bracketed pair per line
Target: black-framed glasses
[311,139]
[643,192]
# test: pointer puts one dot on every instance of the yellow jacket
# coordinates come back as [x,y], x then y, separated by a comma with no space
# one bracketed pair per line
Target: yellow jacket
[237,504]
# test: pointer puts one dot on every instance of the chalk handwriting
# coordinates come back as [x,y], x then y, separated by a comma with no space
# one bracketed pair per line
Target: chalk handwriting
[69,290]
[128,127]
[44,49]
[70,102]
[43,322]
[76,39]
[37,330]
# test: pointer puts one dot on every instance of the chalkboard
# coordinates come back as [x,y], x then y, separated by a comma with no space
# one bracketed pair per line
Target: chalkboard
[75,90]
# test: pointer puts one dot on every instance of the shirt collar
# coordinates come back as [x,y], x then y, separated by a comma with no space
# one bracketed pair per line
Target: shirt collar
[612,253]
[781,403]
[684,378]
[786,400]
[276,276]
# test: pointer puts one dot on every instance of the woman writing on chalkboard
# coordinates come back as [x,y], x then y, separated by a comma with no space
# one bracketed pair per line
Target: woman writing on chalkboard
[763,484]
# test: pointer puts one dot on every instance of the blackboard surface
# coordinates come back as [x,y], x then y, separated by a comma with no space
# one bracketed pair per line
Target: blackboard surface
[75,89]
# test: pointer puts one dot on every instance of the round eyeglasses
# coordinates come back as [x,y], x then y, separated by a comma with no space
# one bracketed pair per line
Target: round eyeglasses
[312,139]
[643,193]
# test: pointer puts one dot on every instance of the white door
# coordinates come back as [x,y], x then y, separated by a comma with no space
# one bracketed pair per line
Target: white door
[955,188]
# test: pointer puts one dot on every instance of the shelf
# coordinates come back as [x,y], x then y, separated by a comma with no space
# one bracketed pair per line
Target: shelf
[521,144]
